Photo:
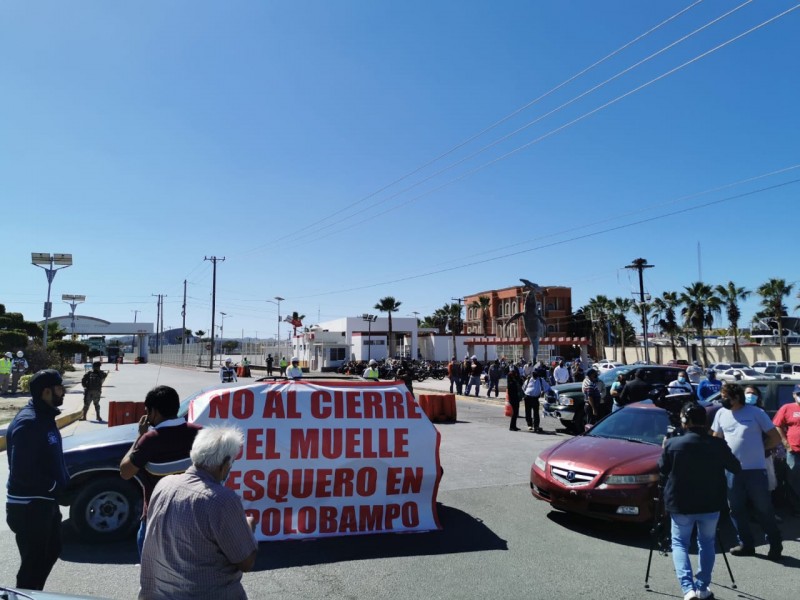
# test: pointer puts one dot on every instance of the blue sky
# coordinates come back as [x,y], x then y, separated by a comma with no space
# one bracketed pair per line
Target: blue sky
[295,139]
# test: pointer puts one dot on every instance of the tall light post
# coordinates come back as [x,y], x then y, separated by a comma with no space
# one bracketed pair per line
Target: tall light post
[279,300]
[73,301]
[221,332]
[39,259]
[370,319]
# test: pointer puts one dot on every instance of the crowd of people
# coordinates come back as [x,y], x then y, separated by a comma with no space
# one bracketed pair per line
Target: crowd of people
[195,540]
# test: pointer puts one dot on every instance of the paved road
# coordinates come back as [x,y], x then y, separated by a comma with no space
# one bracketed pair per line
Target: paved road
[496,542]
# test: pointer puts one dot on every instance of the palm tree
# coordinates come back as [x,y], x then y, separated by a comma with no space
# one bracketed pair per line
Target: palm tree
[453,312]
[389,305]
[619,309]
[772,294]
[598,309]
[730,295]
[665,318]
[700,304]
[483,303]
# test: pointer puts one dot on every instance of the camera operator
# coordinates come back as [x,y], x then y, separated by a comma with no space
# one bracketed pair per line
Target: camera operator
[694,466]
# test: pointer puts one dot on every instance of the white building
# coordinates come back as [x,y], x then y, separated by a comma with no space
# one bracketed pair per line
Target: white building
[328,345]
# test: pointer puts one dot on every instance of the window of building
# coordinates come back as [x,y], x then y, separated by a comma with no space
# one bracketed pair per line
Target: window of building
[337,353]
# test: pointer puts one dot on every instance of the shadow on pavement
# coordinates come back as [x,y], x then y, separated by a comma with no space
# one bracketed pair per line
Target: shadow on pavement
[460,533]
[74,549]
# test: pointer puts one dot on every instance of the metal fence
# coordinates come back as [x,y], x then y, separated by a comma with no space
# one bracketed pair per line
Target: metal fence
[196,355]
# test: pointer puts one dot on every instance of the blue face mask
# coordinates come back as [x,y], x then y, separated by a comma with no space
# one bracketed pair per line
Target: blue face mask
[682,379]
[750,399]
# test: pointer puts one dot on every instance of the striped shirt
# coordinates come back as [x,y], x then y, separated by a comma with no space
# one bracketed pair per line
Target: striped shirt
[196,534]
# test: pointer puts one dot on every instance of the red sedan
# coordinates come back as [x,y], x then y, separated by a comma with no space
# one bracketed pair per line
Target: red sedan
[610,472]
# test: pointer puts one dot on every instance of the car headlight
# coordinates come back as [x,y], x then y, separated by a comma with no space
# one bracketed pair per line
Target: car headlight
[631,479]
[566,400]
[540,463]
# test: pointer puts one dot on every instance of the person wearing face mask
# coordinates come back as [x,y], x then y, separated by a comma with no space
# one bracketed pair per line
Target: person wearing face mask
[37,474]
[680,385]
[752,396]
[748,431]
[787,421]
[709,386]
[199,540]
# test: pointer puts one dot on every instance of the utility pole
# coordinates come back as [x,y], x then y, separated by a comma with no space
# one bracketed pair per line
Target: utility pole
[133,341]
[453,329]
[640,264]
[214,260]
[158,317]
[183,324]
[159,321]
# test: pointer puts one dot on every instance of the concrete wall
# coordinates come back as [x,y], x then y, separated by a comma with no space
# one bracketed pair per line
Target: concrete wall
[663,354]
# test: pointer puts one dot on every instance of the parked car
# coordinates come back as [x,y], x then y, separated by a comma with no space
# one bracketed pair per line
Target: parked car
[723,366]
[774,393]
[761,365]
[610,471]
[606,365]
[677,363]
[738,374]
[566,400]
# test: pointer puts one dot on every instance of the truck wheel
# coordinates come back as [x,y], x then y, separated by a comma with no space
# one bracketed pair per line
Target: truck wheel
[107,509]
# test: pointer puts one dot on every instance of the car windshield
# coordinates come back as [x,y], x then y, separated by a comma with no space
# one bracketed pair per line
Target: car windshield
[610,376]
[645,425]
[750,372]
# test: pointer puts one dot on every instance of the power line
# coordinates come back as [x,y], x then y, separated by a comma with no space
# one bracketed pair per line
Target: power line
[534,121]
[488,128]
[557,243]
[564,126]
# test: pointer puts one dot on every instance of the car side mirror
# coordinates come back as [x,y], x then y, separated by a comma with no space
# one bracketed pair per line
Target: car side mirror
[587,427]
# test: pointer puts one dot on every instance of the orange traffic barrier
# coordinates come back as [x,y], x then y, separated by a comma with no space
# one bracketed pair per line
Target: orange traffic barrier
[439,408]
[122,413]
[509,408]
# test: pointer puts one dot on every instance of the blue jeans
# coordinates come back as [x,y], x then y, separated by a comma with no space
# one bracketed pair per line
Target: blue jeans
[793,477]
[140,537]
[476,381]
[752,484]
[682,527]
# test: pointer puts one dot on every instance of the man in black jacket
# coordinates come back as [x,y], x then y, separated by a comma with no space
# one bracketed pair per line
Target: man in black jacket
[37,473]
[635,390]
[694,466]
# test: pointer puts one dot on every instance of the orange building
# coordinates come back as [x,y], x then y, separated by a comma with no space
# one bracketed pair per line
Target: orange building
[555,305]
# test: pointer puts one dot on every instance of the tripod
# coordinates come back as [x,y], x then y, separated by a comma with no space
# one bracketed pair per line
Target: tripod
[661,537]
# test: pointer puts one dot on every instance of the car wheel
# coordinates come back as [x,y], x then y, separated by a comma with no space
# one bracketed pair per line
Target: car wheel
[107,509]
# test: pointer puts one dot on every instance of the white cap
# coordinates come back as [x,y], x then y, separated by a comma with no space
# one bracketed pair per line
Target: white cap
[372,361]
[474,357]
[228,360]
[9,355]
[295,359]
[20,354]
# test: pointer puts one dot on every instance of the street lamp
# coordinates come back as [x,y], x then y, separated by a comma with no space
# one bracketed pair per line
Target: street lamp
[39,259]
[73,301]
[279,300]
[370,319]
[221,332]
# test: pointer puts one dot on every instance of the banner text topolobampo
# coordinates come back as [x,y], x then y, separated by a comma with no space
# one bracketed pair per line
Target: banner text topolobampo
[329,458]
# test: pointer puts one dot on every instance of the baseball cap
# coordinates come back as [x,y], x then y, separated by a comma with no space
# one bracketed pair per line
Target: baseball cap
[710,372]
[8,355]
[42,380]
[797,389]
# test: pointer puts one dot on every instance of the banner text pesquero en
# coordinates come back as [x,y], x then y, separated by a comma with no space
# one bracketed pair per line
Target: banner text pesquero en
[329,458]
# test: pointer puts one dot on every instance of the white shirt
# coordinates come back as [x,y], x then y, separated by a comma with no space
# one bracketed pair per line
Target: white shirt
[294,372]
[561,374]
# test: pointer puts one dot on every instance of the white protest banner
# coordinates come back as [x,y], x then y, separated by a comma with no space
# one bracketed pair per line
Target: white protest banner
[329,458]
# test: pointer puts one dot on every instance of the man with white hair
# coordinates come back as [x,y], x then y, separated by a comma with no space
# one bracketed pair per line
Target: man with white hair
[199,541]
